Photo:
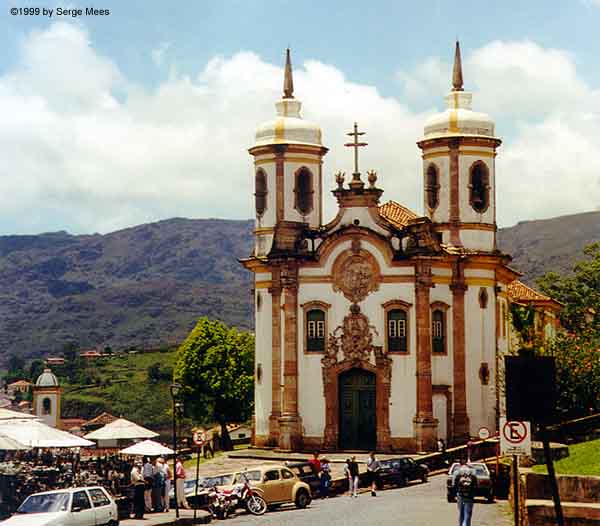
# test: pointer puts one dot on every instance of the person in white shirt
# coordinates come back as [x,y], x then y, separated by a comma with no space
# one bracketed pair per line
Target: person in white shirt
[373,467]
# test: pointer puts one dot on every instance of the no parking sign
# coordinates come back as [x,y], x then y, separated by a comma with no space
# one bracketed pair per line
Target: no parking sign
[515,437]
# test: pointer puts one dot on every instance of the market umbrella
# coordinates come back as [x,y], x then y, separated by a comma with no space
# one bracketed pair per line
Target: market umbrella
[10,444]
[121,429]
[7,414]
[147,448]
[34,433]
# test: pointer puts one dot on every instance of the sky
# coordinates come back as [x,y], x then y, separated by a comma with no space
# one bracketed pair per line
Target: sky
[147,112]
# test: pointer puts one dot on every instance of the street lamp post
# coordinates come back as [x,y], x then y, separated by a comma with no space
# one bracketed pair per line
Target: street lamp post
[175,390]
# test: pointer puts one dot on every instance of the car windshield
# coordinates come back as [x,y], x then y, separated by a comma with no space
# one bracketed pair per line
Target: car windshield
[252,476]
[480,469]
[46,503]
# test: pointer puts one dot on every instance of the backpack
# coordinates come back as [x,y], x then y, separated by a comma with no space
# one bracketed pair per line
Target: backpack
[466,484]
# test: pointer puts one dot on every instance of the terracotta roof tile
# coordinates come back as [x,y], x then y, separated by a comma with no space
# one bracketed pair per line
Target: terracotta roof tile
[397,214]
[518,291]
[101,420]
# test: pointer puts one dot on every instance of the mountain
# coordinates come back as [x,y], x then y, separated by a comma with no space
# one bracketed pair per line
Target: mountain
[143,286]
[549,244]
[146,286]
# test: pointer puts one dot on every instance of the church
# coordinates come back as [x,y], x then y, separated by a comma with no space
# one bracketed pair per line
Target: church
[381,329]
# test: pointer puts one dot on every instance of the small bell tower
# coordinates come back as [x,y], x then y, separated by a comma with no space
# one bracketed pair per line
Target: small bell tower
[459,170]
[288,156]
[46,398]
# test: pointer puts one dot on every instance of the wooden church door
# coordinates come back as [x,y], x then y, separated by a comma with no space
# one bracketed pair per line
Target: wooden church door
[358,422]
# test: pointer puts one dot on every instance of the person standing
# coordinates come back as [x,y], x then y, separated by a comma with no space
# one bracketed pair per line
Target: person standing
[158,489]
[139,486]
[167,477]
[315,463]
[179,481]
[373,466]
[148,473]
[325,479]
[465,484]
[353,476]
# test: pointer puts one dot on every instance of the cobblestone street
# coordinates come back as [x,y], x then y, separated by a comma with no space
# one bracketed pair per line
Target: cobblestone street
[416,505]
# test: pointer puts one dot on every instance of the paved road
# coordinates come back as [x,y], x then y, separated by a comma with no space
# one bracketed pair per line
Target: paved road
[416,505]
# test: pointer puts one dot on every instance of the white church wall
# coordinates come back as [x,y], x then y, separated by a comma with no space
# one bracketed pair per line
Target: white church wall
[477,239]
[291,214]
[467,213]
[364,218]
[441,365]
[269,217]
[263,352]
[480,347]
[441,213]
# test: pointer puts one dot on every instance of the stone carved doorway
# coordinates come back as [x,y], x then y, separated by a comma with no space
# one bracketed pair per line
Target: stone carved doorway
[357,402]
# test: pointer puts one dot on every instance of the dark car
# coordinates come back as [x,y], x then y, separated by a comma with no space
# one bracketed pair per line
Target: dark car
[305,472]
[485,484]
[400,471]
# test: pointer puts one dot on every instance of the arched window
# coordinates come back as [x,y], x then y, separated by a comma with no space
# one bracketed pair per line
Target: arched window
[438,331]
[315,330]
[397,330]
[432,187]
[303,191]
[46,406]
[479,187]
[260,194]
[483,298]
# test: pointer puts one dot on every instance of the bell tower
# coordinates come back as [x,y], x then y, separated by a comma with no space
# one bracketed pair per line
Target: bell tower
[459,170]
[46,398]
[288,156]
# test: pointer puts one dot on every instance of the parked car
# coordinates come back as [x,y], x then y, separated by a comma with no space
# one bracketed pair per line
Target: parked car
[279,485]
[400,471]
[204,484]
[67,507]
[485,484]
[305,472]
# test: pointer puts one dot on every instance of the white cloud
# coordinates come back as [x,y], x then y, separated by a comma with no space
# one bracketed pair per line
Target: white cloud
[158,53]
[74,156]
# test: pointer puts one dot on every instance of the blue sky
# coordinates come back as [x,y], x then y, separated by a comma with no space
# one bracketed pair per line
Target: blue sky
[146,71]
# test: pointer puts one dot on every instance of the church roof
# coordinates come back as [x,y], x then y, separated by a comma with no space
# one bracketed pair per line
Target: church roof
[518,291]
[397,214]
[47,379]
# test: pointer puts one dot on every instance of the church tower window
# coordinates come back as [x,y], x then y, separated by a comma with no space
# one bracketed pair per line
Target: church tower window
[438,331]
[303,191]
[315,330]
[46,406]
[260,195]
[479,187]
[432,187]
[397,330]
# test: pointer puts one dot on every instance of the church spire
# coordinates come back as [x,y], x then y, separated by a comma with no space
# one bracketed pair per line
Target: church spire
[288,81]
[457,78]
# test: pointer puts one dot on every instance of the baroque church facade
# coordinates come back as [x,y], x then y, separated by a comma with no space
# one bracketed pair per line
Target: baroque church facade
[380,329]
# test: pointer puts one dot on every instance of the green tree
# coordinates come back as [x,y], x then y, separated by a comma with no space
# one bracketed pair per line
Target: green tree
[36,367]
[16,364]
[579,292]
[215,366]
[577,350]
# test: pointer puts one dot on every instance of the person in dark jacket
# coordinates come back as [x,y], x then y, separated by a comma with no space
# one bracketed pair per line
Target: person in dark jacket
[465,484]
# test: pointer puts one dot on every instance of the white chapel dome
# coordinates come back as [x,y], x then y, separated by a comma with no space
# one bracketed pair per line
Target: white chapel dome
[47,379]
[459,119]
[289,127]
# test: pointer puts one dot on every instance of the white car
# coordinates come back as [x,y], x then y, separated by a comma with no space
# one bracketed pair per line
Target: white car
[92,506]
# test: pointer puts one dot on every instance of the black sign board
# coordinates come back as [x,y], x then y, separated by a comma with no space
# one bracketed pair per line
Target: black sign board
[530,388]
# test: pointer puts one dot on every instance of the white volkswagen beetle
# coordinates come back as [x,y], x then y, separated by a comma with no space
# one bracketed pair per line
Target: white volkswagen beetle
[92,506]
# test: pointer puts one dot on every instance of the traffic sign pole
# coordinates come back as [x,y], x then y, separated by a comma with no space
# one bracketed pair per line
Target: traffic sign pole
[552,476]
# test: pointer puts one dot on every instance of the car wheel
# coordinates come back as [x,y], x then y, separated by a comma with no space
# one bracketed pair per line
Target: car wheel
[424,477]
[302,499]
[401,482]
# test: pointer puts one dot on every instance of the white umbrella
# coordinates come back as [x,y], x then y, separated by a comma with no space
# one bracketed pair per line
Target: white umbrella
[147,448]
[7,414]
[34,433]
[121,429]
[10,444]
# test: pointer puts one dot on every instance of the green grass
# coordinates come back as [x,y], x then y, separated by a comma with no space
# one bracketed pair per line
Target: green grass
[583,459]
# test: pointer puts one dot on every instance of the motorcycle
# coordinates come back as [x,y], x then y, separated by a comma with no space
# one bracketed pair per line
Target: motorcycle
[242,495]
[218,503]
[250,498]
